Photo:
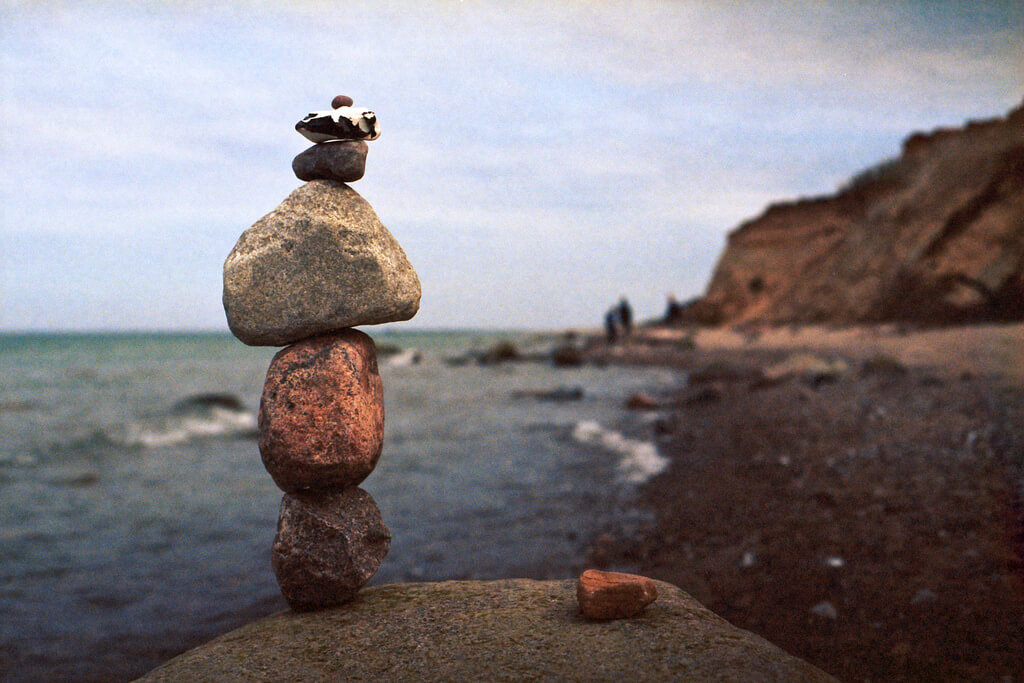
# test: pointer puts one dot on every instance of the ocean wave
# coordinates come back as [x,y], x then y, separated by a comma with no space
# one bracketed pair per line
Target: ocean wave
[401,359]
[639,461]
[19,459]
[199,417]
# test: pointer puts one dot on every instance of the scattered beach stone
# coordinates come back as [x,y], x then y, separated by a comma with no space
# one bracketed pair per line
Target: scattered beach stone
[321,421]
[613,595]
[882,365]
[722,371]
[319,262]
[707,393]
[327,547]
[344,161]
[503,351]
[642,401]
[825,609]
[558,394]
[341,101]
[923,596]
[807,367]
[566,355]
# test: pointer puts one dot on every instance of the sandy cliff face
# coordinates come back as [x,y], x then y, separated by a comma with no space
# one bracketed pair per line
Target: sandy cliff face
[935,236]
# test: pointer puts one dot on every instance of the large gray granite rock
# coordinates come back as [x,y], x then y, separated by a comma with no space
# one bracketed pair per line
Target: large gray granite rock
[321,261]
[488,631]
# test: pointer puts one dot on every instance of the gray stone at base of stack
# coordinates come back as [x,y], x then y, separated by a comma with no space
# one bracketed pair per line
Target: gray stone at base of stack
[328,545]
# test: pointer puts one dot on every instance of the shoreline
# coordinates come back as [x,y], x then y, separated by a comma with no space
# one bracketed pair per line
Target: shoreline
[868,519]
[995,349]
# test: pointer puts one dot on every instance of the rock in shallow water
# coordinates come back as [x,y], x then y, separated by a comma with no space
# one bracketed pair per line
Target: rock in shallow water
[344,161]
[321,422]
[613,595]
[321,261]
[327,547]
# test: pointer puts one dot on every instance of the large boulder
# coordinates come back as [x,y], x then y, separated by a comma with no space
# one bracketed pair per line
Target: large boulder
[321,261]
[488,631]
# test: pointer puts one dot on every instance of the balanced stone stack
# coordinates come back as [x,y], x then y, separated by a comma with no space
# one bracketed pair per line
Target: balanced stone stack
[303,277]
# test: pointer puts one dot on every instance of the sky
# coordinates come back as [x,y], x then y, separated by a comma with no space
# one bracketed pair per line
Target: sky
[538,160]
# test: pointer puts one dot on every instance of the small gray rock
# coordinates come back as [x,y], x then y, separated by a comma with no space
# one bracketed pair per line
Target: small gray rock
[320,262]
[327,547]
[344,161]
[825,609]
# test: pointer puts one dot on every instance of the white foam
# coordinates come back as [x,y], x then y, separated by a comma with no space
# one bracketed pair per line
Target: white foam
[639,461]
[403,358]
[19,459]
[177,430]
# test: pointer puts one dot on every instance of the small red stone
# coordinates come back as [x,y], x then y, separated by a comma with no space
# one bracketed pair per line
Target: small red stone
[341,101]
[614,595]
[321,422]
[642,401]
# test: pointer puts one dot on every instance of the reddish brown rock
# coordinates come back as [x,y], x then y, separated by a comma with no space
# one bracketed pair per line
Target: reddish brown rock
[341,160]
[613,595]
[642,401]
[327,547]
[341,101]
[321,422]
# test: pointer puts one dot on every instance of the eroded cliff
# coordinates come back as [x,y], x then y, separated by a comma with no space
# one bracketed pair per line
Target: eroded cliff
[934,236]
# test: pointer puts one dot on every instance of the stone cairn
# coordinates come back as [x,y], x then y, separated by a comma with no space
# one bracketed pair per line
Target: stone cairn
[303,277]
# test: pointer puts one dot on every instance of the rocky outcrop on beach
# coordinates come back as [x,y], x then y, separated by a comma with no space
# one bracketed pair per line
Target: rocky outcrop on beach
[302,277]
[488,631]
[934,236]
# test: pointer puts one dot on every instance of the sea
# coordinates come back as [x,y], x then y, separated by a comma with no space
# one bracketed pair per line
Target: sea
[136,517]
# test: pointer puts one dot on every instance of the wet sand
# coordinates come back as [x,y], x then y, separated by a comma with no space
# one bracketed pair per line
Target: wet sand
[867,519]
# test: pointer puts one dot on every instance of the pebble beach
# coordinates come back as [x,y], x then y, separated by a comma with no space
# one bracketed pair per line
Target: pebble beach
[862,511]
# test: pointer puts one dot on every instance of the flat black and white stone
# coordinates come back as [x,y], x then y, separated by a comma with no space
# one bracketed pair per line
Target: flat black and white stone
[343,123]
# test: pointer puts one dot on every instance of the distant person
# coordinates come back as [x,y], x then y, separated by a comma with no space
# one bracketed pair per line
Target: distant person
[611,325]
[673,309]
[625,317]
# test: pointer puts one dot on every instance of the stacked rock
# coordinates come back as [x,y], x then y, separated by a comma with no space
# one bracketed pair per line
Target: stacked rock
[303,277]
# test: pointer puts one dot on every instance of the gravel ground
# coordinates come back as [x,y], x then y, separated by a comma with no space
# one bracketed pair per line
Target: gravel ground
[866,518]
